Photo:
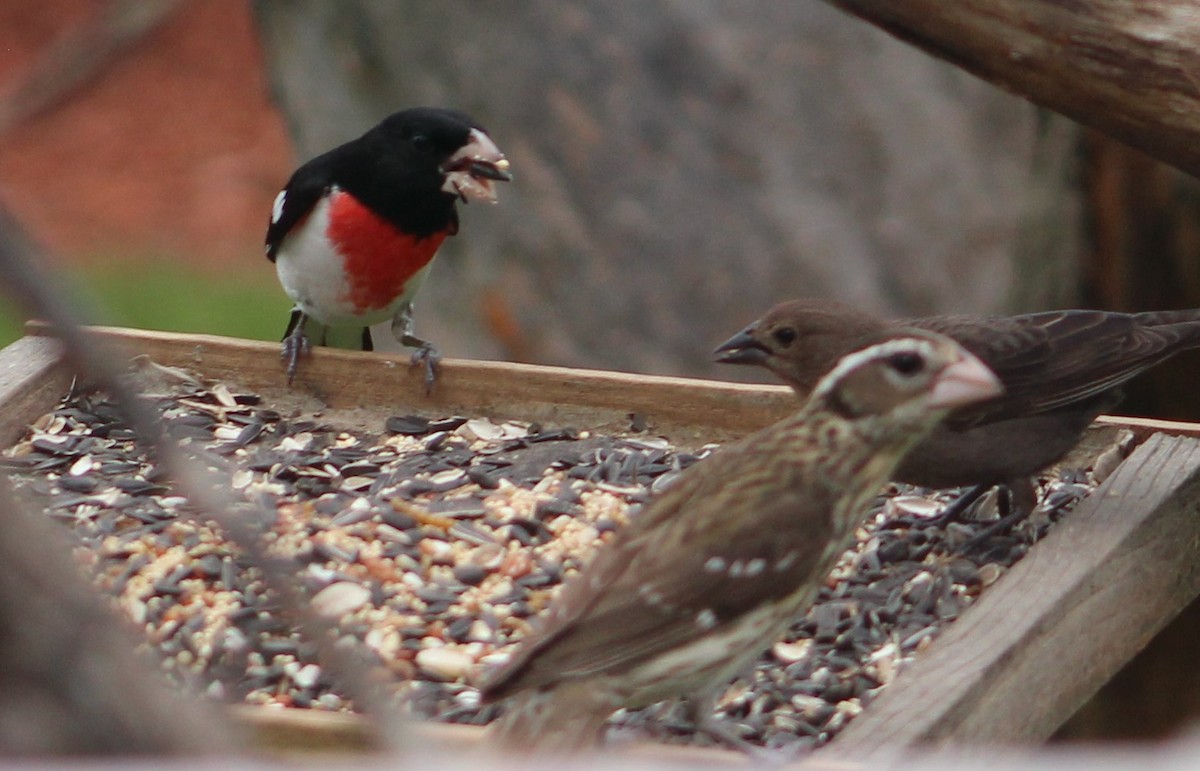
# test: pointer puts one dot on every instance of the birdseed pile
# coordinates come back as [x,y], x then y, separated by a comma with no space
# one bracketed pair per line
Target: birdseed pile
[435,542]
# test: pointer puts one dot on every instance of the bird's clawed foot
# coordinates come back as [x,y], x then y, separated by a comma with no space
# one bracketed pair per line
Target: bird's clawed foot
[957,507]
[295,344]
[724,735]
[1016,507]
[1017,501]
[952,513]
[698,713]
[425,356]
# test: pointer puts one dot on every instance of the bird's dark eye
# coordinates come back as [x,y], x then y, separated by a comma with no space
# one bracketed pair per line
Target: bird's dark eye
[785,336]
[907,363]
[421,143]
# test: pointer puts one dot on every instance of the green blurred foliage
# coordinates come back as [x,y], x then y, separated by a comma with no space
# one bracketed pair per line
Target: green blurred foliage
[175,297]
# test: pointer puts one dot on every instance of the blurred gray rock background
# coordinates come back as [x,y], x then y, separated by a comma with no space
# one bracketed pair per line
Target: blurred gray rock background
[681,166]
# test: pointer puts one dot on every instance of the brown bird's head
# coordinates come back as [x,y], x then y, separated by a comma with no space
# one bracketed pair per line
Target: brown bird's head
[875,406]
[801,340]
[906,381]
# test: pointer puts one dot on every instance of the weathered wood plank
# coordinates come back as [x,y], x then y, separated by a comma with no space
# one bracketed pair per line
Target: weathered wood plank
[31,382]
[1047,635]
[1144,428]
[306,733]
[1126,68]
[686,409]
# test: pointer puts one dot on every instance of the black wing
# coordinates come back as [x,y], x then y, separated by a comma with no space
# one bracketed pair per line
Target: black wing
[299,196]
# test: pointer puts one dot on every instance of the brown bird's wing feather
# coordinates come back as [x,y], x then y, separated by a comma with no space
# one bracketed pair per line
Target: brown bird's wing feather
[607,632]
[1167,318]
[1051,360]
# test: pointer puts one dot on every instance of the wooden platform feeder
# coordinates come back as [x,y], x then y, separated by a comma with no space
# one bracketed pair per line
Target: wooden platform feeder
[1012,669]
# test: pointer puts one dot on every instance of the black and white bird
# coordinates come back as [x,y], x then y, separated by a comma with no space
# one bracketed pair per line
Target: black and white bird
[354,231]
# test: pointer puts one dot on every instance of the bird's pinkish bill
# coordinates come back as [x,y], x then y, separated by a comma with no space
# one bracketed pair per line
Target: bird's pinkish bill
[966,381]
[471,171]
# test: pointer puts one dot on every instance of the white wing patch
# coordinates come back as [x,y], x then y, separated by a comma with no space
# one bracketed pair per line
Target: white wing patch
[277,207]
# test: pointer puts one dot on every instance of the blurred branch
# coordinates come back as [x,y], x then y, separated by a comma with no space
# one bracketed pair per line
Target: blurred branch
[205,485]
[80,56]
[1129,69]
[69,680]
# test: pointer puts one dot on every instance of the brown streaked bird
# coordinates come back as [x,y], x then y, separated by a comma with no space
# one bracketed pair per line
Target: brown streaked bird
[1060,369]
[714,569]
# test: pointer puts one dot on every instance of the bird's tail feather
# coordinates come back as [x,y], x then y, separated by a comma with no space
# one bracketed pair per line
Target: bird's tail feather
[349,338]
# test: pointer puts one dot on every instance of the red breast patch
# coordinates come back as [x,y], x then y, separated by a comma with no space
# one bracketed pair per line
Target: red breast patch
[378,257]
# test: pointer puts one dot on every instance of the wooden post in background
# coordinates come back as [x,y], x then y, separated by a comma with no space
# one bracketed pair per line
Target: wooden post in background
[1129,70]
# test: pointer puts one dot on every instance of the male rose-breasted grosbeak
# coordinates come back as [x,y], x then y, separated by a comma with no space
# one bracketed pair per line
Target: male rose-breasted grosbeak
[713,570]
[1060,369]
[354,230]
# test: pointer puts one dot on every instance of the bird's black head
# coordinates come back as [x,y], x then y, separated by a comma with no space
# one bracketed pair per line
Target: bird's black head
[414,165]
[446,147]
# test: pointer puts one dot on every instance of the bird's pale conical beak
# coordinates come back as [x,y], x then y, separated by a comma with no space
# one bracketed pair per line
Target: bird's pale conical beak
[471,171]
[497,170]
[966,381]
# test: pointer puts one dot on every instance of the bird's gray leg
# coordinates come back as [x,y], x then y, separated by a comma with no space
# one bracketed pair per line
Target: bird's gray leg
[951,513]
[698,710]
[959,505]
[1022,500]
[295,342]
[425,354]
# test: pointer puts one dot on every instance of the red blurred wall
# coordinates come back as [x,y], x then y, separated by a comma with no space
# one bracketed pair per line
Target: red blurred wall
[173,149]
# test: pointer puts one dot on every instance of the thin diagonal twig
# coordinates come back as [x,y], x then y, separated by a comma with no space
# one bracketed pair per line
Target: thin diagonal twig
[203,483]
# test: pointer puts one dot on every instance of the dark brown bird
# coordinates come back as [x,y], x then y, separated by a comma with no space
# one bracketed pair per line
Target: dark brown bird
[714,569]
[1060,369]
